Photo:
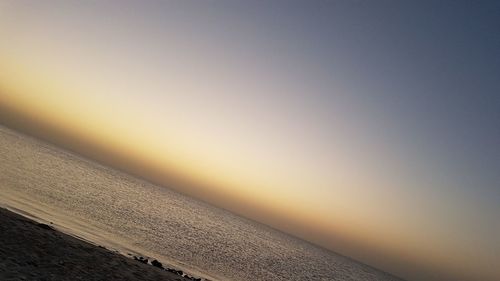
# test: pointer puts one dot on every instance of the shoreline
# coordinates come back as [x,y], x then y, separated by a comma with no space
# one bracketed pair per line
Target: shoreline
[37,251]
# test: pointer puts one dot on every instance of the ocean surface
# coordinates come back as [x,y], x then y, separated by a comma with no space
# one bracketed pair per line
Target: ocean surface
[132,216]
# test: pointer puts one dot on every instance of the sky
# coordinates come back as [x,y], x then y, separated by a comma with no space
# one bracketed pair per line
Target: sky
[371,128]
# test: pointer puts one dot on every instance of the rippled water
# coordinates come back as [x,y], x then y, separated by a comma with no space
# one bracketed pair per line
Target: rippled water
[117,210]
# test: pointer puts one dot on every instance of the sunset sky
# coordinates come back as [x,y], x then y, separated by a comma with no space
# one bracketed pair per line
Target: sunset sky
[371,128]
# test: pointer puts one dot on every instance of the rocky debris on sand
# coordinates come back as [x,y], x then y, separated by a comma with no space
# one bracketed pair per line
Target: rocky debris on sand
[157,264]
[45,226]
[141,259]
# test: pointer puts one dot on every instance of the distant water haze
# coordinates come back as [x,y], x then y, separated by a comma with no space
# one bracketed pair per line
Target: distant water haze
[368,128]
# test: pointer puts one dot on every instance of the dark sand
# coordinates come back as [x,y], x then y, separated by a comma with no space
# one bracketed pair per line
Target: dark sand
[33,251]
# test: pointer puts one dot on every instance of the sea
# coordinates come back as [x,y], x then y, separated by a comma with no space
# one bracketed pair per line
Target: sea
[134,217]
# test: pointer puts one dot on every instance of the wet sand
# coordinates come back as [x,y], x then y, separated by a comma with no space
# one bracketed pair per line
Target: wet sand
[34,251]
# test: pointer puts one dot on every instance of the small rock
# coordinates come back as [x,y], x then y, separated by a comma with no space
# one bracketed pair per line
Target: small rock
[157,264]
[44,226]
[141,259]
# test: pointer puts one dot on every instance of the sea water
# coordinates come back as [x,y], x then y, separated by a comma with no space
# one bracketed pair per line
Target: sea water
[111,208]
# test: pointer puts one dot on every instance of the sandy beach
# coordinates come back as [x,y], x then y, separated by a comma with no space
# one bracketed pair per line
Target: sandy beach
[35,251]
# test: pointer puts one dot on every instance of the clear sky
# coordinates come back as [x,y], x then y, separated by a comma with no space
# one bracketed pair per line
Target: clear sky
[371,128]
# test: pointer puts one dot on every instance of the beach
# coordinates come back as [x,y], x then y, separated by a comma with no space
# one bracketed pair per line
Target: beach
[107,207]
[34,251]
